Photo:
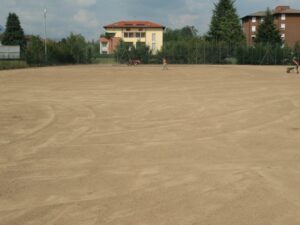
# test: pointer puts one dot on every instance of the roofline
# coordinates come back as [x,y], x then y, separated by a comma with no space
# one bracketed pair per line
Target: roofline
[273,13]
[163,27]
[151,25]
[288,13]
[248,16]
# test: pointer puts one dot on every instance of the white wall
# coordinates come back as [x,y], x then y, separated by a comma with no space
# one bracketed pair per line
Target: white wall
[9,52]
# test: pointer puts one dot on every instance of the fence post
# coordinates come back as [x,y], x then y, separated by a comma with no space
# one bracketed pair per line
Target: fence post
[196,51]
[204,58]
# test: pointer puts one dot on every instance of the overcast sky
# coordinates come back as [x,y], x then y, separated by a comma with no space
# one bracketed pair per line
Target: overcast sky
[89,16]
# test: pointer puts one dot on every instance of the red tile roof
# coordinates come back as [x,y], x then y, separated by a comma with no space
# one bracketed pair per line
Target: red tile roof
[103,40]
[132,24]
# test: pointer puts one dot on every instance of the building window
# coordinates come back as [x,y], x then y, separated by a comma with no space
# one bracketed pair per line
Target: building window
[153,46]
[253,29]
[253,37]
[129,35]
[253,19]
[282,26]
[283,17]
[138,35]
[143,35]
[154,37]
[283,36]
[104,44]
[262,20]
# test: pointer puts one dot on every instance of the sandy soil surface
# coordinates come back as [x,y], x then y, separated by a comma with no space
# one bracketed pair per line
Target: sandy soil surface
[112,145]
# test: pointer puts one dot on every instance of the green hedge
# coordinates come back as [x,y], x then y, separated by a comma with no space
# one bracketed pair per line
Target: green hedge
[104,59]
[12,64]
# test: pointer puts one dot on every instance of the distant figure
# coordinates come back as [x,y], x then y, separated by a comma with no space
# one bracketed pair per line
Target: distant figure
[134,62]
[165,64]
[295,65]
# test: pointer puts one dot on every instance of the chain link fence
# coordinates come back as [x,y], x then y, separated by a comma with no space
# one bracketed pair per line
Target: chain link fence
[204,52]
[220,53]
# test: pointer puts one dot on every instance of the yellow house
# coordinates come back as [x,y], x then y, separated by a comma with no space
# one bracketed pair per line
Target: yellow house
[133,31]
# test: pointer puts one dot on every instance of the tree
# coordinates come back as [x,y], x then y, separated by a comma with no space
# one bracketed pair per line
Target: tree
[189,31]
[14,34]
[142,52]
[93,49]
[186,32]
[225,24]
[77,47]
[125,52]
[107,35]
[122,52]
[267,33]
[35,51]
[1,33]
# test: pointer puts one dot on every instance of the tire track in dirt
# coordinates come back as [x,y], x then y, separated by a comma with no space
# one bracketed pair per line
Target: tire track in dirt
[221,130]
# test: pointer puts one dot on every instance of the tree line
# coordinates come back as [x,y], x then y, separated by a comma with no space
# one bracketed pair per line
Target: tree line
[73,49]
[223,43]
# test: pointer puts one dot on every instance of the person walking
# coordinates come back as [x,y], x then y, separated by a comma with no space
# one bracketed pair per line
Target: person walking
[165,64]
[296,63]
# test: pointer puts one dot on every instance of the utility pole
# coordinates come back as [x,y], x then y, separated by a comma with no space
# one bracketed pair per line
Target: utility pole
[45,26]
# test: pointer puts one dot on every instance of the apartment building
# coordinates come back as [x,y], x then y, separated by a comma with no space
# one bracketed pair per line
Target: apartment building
[131,32]
[286,19]
[108,45]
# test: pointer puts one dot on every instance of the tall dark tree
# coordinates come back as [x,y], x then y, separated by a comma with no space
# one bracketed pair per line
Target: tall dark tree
[225,24]
[14,34]
[1,32]
[267,33]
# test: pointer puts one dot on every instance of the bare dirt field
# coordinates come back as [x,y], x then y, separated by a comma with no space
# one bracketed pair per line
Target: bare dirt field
[118,145]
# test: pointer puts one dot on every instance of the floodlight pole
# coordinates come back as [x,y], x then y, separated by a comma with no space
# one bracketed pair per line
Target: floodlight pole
[45,26]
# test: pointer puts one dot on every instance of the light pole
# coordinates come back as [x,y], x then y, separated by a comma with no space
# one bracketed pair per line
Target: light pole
[45,26]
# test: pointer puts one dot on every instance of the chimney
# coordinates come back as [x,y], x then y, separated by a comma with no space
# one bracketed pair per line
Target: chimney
[282,8]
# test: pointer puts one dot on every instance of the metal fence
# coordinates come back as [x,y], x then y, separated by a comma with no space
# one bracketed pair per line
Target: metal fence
[204,52]
[220,53]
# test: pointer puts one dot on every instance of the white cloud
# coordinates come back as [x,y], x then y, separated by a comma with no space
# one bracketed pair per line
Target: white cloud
[82,3]
[193,5]
[31,17]
[86,18]
[182,20]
